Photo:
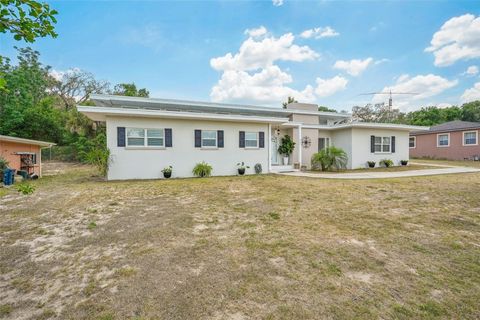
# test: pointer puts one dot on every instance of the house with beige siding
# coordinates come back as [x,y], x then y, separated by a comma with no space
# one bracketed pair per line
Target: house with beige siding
[454,140]
[145,135]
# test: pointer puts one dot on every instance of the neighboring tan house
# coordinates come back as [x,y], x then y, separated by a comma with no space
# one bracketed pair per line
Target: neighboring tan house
[23,154]
[454,140]
[144,135]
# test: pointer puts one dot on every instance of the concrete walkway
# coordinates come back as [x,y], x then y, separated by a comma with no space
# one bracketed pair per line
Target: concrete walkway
[385,175]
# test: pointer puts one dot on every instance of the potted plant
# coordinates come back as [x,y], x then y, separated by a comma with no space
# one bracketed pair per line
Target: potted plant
[241,168]
[403,162]
[167,172]
[371,164]
[286,148]
[258,168]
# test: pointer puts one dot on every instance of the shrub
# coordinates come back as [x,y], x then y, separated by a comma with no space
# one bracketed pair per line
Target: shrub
[386,163]
[330,158]
[25,188]
[100,158]
[3,166]
[258,168]
[371,164]
[202,169]
[287,146]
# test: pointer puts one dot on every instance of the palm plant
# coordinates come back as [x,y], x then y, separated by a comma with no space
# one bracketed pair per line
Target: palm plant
[330,158]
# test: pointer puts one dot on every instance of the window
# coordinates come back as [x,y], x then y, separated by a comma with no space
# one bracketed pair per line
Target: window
[443,140]
[155,138]
[137,137]
[251,139]
[470,138]
[412,142]
[382,144]
[209,139]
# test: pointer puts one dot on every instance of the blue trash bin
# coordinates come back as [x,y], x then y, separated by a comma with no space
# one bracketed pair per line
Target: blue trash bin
[8,176]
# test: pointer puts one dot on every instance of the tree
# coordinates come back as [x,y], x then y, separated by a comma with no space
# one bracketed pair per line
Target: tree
[75,87]
[326,109]
[429,116]
[379,112]
[130,90]
[471,111]
[289,100]
[27,19]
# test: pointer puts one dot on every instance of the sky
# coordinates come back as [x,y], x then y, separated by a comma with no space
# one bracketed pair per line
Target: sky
[324,52]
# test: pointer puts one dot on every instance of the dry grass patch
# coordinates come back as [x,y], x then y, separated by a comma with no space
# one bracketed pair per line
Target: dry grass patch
[253,247]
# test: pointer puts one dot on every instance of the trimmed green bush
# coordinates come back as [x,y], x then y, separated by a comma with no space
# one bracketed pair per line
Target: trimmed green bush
[387,163]
[202,169]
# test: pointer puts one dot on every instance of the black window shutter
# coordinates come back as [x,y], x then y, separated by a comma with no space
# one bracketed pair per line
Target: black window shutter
[220,138]
[241,142]
[393,144]
[120,136]
[168,138]
[198,138]
[372,144]
[261,139]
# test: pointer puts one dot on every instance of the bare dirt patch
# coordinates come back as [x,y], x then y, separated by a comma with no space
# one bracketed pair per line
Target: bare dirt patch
[253,247]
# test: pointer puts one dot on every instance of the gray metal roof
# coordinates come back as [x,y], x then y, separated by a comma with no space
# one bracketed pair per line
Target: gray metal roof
[456,125]
[206,107]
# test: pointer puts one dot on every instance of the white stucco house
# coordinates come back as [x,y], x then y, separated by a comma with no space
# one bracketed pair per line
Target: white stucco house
[145,135]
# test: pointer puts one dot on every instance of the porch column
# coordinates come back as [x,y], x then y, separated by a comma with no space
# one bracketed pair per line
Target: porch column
[300,145]
[269,137]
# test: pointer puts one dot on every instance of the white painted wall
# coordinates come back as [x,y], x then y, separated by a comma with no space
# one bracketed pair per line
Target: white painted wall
[343,139]
[143,163]
[361,147]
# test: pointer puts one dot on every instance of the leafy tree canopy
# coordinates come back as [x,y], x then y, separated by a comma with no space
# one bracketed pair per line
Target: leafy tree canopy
[326,109]
[289,100]
[130,90]
[27,19]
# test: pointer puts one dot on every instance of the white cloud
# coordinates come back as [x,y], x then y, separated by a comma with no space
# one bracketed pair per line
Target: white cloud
[457,39]
[320,32]
[261,53]
[267,85]
[353,67]
[471,71]
[423,86]
[327,87]
[471,94]
[277,3]
[256,32]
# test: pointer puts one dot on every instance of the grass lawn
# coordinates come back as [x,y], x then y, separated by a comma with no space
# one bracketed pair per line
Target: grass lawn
[253,247]
[464,163]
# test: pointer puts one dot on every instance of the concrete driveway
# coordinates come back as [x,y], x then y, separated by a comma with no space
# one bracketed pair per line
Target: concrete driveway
[385,175]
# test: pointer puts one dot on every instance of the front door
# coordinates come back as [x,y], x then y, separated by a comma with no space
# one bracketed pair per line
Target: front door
[274,151]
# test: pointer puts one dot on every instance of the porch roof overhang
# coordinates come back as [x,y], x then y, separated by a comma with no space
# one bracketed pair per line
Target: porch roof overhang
[367,125]
[43,144]
[101,114]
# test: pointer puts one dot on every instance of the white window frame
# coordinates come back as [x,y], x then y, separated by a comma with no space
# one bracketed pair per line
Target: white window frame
[470,144]
[257,138]
[414,142]
[381,144]
[202,138]
[145,138]
[438,140]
